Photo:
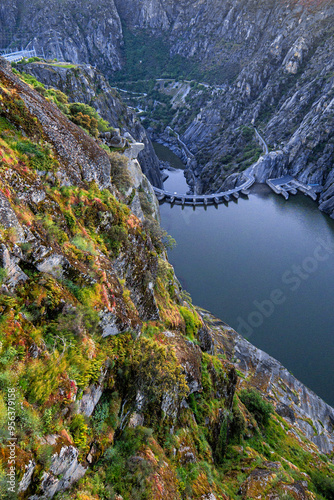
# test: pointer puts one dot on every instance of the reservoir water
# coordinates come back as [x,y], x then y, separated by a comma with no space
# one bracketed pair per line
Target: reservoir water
[176,180]
[265,266]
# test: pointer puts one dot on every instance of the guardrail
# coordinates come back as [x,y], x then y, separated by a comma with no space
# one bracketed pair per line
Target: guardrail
[19,55]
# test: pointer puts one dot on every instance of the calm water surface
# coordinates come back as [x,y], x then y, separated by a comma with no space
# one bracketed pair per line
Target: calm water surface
[176,180]
[259,265]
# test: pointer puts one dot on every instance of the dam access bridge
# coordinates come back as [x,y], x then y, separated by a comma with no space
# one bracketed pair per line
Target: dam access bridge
[205,199]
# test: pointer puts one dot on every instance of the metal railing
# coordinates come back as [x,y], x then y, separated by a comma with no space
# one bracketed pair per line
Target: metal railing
[19,55]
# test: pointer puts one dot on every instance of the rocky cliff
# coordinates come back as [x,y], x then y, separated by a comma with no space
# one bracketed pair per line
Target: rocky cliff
[66,30]
[118,386]
[270,66]
[83,83]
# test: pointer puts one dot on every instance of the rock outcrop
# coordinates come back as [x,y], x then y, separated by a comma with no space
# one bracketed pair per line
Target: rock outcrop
[64,471]
[87,161]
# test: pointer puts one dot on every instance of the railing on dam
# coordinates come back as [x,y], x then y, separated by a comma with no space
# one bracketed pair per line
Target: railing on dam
[284,185]
[19,55]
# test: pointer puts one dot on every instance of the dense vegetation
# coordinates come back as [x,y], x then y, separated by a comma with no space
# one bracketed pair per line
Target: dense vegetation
[147,55]
[79,113]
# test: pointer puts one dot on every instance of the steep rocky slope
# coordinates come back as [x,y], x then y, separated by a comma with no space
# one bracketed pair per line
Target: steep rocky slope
[122,389]
[273,68]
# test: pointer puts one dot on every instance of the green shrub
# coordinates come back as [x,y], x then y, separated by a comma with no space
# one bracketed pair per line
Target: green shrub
[7,357]
[238,425]
[41,379]
[53,231]
[145,203]
[147,367]
[39,157]
[129,478]
[44,454]
[5,125]
[160,238]
[323,484]
[191,321]
[7,379]
[88,118]
[115,238]
[70,219]
[223,438]
[79,113]
[47,419]
[33,59]
[84,244]
[256,405]
[79,430]
[4,491]
[247,133]
[101,414]
[86,122]
[28,420]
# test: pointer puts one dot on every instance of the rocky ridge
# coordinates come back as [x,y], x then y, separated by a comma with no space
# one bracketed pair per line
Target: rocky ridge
[293,400]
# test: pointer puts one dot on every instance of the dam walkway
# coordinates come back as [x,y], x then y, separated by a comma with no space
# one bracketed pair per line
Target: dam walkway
[205,199]
[284,186]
